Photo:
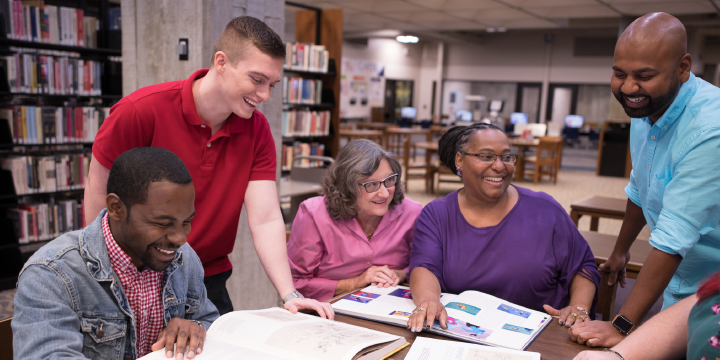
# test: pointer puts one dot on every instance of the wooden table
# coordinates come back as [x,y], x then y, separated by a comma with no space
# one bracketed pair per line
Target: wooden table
[430,149]
[373,125]
[602,246]
[522,144]
[552,343]
[597,207]
[375,135]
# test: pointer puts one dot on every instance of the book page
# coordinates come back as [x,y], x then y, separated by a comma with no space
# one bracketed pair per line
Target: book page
[393,304]
[219,350]
[433,349]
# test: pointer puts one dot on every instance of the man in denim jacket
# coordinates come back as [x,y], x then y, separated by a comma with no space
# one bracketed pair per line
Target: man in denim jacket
[127,284]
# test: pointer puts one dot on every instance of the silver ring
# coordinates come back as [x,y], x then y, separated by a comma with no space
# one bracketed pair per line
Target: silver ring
[414,312]
[420,308]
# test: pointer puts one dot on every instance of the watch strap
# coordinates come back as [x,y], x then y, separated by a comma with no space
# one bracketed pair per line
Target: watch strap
[292,295]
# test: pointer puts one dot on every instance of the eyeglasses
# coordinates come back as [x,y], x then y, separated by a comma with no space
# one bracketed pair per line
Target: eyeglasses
[373,186]
[490,158]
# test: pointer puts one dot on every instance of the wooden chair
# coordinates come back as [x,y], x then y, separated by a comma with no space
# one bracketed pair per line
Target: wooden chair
[287,236]
[547,159]
[444,170]
[6,339]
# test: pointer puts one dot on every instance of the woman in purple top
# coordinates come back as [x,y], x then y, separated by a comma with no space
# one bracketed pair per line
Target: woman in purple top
[506,241]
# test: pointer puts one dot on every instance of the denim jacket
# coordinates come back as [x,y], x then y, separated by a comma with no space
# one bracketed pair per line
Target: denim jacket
[68,290]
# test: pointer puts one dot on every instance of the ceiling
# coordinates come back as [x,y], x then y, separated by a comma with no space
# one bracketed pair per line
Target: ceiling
[419,16]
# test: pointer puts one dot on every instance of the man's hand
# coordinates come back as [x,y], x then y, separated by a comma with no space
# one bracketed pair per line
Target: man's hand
[380,276]
[179,334]
[615,265]
[595,334]
[325,310]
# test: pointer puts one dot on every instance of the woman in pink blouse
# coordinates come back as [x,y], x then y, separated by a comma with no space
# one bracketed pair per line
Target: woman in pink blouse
[360,232]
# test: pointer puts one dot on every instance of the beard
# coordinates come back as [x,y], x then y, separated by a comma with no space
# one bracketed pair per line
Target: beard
[654,103]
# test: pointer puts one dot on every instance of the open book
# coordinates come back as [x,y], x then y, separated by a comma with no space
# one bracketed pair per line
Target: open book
[433,349]
[276,334]
[472,316]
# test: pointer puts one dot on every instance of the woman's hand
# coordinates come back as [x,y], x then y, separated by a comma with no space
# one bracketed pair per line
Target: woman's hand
[596,355]
[401,277]
[425,315]
[381,276]
[569,315]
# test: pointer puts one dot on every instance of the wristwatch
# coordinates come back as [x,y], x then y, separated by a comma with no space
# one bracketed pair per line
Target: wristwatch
[623,325]
[292,295]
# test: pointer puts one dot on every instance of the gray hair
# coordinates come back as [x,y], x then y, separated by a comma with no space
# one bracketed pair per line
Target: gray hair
[358,159]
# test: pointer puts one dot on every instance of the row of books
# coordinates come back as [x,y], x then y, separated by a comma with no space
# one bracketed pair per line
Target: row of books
[301,149]
[32,20]
[306,57]
[305,123]
[53,73]
[43,174]
[54,125]
[302,91]
[46,221]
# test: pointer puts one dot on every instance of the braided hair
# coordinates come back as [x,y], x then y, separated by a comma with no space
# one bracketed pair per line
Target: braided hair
[455,139]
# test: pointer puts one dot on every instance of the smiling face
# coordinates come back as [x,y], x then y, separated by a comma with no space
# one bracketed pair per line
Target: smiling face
[486,181]
[376,203]
[650,65]
[250,81]
[151,233]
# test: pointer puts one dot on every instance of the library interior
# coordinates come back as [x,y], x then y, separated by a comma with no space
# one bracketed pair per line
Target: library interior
[339,151]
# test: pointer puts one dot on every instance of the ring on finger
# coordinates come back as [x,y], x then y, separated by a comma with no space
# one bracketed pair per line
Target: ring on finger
[574,315]
[582,317]
[420,308]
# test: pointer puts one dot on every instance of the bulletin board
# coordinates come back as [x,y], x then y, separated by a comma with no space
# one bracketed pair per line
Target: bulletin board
[362,87]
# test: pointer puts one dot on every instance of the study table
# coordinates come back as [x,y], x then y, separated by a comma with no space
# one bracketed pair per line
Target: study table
[552,343]
[375,135]
[597,207]
[522,144]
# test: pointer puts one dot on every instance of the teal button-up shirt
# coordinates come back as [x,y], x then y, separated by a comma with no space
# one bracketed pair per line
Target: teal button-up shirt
[676,181]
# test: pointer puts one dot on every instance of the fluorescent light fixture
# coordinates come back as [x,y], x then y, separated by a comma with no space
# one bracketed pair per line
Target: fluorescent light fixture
[407,39]
[491,30]
[501,29]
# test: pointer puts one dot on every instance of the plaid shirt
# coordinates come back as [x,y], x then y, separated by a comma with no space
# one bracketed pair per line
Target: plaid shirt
[142,290]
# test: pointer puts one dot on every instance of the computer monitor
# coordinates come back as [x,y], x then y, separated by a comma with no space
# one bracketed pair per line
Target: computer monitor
[495,105]
[408,112]
[463,115]
[518,118]
[574,121]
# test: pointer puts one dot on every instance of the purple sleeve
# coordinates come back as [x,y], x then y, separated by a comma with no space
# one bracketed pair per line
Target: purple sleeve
[574,256]
[427,249]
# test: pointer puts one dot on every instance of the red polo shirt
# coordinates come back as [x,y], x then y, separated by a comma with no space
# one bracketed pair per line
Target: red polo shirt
[221,165]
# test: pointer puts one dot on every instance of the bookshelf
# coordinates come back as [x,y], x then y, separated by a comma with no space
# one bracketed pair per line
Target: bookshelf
[33,215]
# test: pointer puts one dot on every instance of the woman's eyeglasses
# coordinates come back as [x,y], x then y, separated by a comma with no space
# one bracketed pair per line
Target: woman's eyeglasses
[490,158]
[373,186]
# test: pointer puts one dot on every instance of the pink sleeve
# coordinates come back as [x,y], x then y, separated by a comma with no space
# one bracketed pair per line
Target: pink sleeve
[305,251]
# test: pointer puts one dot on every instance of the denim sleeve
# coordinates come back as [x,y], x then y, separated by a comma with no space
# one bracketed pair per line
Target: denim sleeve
[690,198]
[45,324]
[206,312]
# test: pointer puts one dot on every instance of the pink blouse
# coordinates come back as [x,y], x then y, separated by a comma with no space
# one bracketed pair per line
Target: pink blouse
[323,251]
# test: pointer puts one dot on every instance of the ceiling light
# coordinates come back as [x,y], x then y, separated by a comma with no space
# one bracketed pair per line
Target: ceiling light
[491,30]
[407,39]
[501,29]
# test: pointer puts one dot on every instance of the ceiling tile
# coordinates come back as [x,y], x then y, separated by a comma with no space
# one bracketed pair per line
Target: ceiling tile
[429,4]
[502,14]
[451,5]
[531,23]
[454,25]
[471,14]
[593,11]
[358,5]
[431,16]
[551,3]
[399,16]
[396,6]
[673,8]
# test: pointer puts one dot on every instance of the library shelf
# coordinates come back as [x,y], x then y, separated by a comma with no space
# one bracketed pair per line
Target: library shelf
[56,96]
[331,72]
[308,106]
[55,144]
[46,46]
[15,196]
[305,137]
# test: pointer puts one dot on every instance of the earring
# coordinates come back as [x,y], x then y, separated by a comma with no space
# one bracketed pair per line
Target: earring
[459,171]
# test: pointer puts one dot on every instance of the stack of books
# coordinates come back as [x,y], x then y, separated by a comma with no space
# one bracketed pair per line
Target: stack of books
[54,125]
[32,20]
[53,72]
[289,152]
[46,221]
[306,57]
[43,174]
[301,91]
[305,123]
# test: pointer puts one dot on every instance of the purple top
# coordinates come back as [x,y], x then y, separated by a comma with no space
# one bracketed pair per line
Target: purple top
[529,258]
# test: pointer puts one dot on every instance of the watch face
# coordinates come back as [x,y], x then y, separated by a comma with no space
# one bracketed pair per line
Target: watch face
[623,323]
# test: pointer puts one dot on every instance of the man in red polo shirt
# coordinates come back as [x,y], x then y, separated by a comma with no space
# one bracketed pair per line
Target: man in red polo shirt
[211,123]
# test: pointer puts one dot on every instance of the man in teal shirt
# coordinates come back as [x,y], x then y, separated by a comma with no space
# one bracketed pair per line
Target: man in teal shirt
[675,183]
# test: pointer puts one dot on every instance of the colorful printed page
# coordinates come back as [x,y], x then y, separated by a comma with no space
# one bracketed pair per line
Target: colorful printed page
[472,315]
[433,349]
[276,334]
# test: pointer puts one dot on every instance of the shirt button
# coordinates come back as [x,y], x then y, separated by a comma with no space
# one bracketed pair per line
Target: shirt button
[653,137]
[202,126]
[209,144]
[368,263]
[665,127]
[648,167]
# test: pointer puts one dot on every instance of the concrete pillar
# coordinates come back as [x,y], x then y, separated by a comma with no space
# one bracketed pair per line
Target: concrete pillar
[150,30]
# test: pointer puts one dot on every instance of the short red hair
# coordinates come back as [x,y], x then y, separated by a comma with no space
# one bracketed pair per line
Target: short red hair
[709,288]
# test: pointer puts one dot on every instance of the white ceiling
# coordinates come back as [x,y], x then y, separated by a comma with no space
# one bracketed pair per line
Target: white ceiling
[468,15]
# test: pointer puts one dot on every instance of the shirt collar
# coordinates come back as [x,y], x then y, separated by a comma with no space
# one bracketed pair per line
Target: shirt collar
[386,220]
[234,123]
[686,92]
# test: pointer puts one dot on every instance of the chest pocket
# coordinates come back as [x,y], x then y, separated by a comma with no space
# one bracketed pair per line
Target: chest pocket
[103,336]
[656,192]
